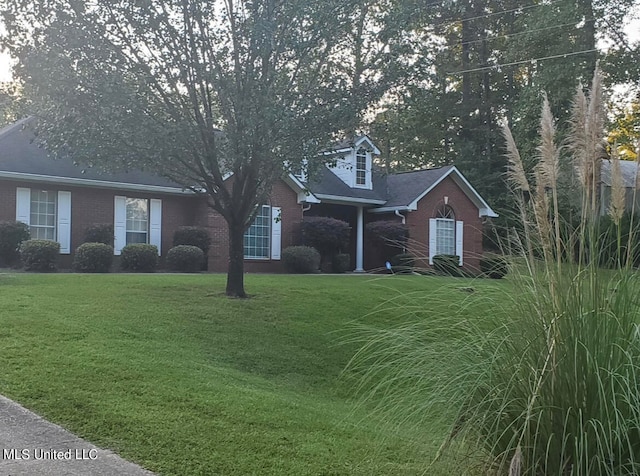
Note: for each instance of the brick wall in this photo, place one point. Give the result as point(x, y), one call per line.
point(291, 213)
point(96, 205)
point(464, 209)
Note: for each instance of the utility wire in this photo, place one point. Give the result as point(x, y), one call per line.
point(495, 66)
point(509, 35)
point(519, 9)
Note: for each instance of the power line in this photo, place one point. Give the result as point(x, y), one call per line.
point(518, 33)
point(495, 66)
point(519, 9)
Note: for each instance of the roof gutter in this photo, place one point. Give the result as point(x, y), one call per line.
point(403, 208)
point(349, 200)
point(95, 183)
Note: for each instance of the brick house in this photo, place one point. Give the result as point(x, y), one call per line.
point(59, 200)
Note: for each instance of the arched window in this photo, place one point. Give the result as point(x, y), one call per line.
point(445, 231)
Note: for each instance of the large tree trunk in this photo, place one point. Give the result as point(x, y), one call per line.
point(235, 272)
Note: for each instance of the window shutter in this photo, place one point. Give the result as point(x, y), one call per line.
point(119, 224)
point(433, 227)
point(276, 232)
point(459, 251)
point(23, 205)
point(64, 222)
point(155, 224)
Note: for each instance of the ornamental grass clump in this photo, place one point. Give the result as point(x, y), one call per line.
point(554, 388)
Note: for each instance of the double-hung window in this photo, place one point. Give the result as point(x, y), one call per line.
point(262, 240)
point(361, 167)
point(48, 214)
point(42, 220)
point(445, 235)
point(257, 238)
point(137, 220)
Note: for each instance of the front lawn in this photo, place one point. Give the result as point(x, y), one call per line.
point(170, 374)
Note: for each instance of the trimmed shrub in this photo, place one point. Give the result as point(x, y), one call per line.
point(301, 259)
point(493, 266)
point(139, 257)
point(12, 233)
point(447, 265)
point(341, 263)
point(402, 263)
point(93, 258)
point(185, 258)
point(387, 232)
point(327, 235)
point(193, 236)
point(39, 255)
point(100, 233)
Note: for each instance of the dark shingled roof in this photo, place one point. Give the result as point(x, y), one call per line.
point(328, 183)
point(405, 187)
point(397, 190)
point(19, 153)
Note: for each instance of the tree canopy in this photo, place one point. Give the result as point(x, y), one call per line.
point(199, 91)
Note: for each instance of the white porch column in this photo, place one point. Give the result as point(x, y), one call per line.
point(359, 242)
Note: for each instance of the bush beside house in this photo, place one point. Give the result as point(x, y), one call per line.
point(194, 236)
point(139, 257)
point(329, 236)
point(12, 234)
point(448, 265)
point(40, 255)
point(99, 233)
point(185, 258)
point(301, 259)
point(93, 258)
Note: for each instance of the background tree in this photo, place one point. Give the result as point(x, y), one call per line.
point(198, 90)
point(625, 133)
point(482, 64)
point(9, 103)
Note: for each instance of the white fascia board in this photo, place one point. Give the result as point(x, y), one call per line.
point(391, 209)
point(304, 194)
point(366, 139)
point(483, 207)
point(336, 152)
point(94, 183)
point(487, 212)
point(348, 200)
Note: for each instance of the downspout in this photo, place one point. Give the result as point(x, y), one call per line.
point(306, 209)
point(404, 222)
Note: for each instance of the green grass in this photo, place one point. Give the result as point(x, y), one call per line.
point(169, 373)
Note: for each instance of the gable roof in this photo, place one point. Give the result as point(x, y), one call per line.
point(21, 158)
point(352, 143)
point(406, 187)
point(326, 185)
point(389, 193)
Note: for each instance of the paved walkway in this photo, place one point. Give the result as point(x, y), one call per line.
point(30, 445)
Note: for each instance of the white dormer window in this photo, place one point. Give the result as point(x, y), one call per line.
point(361, 167)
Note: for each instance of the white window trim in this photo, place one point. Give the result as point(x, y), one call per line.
point(367, 169)
point(154, 234)
point(63, 215)
point(459, 240)
point(275, 237)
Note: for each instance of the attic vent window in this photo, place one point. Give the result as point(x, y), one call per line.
point(361, 167)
